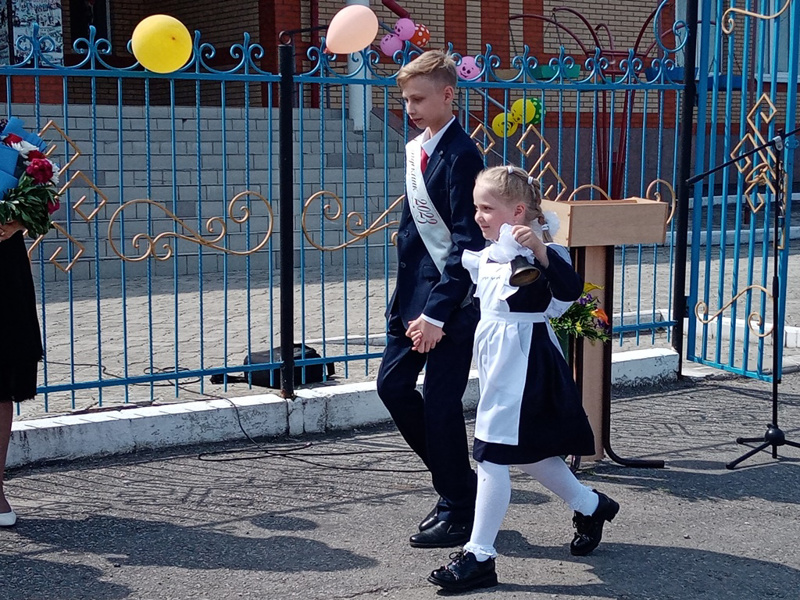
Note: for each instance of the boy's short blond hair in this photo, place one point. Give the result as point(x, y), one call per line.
point(433, 64)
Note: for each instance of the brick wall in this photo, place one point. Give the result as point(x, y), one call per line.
point(473, 23)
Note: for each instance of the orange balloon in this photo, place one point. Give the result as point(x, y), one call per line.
point(352, 29)
point(421, 36)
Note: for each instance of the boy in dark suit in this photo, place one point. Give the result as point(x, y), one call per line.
point(431, 317)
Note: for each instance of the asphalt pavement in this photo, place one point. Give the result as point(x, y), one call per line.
point(328, 517)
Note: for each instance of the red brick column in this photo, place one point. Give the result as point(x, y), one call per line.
point(495, 31)
point(23, 90)
point(533, 29)
point(275, 16)
point(670, 108)
point(494, 27)
point(455, 18)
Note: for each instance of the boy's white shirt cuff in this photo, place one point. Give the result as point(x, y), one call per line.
point(433, 321)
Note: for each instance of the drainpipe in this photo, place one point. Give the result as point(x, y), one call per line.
point(359, 96)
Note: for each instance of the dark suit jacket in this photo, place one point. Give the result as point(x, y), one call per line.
point(449, 178)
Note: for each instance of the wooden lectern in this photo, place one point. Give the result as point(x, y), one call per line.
point(591, 229)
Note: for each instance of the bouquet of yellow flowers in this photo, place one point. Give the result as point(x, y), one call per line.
point(584, 319)
point(28, 179)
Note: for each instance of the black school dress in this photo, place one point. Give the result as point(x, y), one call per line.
point(21, 346)
point(529, 408)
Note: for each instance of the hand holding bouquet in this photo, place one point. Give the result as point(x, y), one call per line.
point(584, 318)
point(28, 179)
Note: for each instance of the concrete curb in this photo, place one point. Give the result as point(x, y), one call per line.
point(314, 410)
point(644, 367)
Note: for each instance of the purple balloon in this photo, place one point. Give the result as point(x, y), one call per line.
point(404, 29)
point(468, 69)
point(391, 44)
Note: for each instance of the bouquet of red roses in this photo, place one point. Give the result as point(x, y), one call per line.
point(28, 179)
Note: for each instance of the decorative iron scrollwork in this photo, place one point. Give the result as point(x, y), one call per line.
point(728, 22)
point(754, 321)
point(216, 226)
point(588, 186)
point(759, 175)
point(656, 195)
point(475, 135)
point(353, 219)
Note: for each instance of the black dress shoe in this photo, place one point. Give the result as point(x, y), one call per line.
point(431, 519)
point(465, 573)
point(589, 529)
point(442, 534)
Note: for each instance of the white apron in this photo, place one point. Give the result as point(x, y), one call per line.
point(502, 347)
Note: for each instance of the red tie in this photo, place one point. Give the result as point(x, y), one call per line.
point(424, 159)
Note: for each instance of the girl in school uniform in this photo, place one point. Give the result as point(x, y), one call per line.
point(530, 412)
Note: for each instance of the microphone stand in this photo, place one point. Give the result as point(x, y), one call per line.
point(774, 436)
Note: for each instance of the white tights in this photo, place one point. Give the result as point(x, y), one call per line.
point(494, 496)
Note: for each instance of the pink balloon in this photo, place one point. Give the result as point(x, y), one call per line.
point(404, 28)
point(468, 69)
point(352, 29)
point(391, 44)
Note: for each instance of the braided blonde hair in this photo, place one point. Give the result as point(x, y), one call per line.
point(513, 185)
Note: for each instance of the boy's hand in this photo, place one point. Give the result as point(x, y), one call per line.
point(525, 236)
point(424, 335)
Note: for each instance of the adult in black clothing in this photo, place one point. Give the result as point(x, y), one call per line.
point(21, 349)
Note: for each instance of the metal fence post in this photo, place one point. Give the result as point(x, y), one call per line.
point(684, 171)
point(286, 175)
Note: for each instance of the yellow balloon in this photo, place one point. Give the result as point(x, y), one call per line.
point(161, 43)
point(523, 111)
point(503, 125)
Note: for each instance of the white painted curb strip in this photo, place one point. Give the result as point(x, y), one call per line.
point(314, 410)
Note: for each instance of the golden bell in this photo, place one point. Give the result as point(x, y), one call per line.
point(522, 272)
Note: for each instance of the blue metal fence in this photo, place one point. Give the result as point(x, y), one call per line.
point(747, 80)
point(163, 269)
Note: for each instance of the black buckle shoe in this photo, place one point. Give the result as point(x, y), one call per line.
point(589, 528)
point(465, 573)
point(442, 534)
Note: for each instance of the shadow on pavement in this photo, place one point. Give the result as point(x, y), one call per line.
point(131, 542)
point(37, 579)
point(713, 482)
point(644, 571)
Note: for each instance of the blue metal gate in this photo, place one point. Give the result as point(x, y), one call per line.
point(747, 83)
point(164, 266)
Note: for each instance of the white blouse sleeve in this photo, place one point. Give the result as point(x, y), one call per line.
point(471, 261)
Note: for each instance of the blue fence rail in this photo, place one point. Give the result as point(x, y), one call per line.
point(164, 268)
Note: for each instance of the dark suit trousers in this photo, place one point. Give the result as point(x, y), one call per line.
point(432, 423)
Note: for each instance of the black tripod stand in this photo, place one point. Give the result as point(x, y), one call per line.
point(774, 436)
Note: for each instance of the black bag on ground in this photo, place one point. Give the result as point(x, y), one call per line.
point(271, 378)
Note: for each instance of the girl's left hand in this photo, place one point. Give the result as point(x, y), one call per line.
point(525, 236)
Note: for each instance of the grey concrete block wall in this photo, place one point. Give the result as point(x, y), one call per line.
point(192, 163)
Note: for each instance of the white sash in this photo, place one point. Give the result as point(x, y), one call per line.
point(432, 229)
